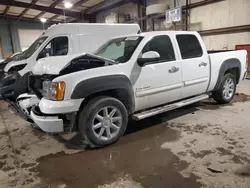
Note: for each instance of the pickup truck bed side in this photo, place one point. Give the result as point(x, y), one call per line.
point(224, 61)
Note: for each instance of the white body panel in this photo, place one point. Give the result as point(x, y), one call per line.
point(48, 124)
point(57, 107)
point(195, 78)
point(26, 101)
point(217, 59)
point(82, 37)
point(52, 65)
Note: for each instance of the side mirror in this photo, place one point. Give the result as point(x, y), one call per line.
point(148, 57)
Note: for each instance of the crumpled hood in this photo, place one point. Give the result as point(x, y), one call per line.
point(53, 65)
point(13, 64)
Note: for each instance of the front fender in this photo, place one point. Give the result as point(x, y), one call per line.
point(119, 83)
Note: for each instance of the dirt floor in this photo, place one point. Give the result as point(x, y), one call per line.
point(202, 145)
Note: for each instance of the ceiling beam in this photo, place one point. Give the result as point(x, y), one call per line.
point(203, 3)
point(44, 8)
point(53, 5)
point(74, 5)
point(79, 3)
point(107, 5)
point(226, 30)
point(6, 10)
point(27, 9)
point(22, 18)
point(53, 17)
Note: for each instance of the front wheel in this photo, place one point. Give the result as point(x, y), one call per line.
point(102, 121)
point(226, 92)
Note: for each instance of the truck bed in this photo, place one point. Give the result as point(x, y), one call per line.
point(217, 58)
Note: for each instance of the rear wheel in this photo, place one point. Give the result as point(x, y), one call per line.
point(102, 121)
point(227, 89)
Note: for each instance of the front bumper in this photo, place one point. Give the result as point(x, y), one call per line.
point(59, 107)
point(18, 111)
point(47, 123)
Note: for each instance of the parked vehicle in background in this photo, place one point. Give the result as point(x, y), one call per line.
point(60, 40)
point(3, 64)
point(136, 75)
point(68, 39)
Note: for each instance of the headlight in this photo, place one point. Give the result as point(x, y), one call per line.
point(53, 90)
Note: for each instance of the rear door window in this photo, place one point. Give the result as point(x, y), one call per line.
point(189, 46)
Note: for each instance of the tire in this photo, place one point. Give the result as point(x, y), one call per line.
point(96, 119)
point(225, 94)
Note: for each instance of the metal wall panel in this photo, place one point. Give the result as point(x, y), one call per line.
point(226, 41)
point(9, 28)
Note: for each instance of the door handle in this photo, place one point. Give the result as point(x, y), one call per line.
point(203, 64)
point(173, 69)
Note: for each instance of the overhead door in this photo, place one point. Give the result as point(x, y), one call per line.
point(28, 36)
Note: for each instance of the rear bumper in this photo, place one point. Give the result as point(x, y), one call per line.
point(47, 123)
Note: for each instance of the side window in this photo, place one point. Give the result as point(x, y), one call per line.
point(162, 45)
point(56, 47)
point(189, 46)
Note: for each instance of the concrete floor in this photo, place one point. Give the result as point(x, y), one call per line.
point(203, 145)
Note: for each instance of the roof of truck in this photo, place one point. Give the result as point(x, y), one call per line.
point(153, 33)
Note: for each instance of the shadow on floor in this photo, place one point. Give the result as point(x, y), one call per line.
point(76, 142)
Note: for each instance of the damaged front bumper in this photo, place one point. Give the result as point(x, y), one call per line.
point(47, 123)
point(55, 116)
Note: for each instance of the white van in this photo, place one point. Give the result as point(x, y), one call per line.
point(57, 41)
point(68, 39)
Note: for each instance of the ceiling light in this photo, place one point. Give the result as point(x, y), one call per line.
point(43, 20)
point(68, 5)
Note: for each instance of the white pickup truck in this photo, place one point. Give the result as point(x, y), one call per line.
point(131, 76)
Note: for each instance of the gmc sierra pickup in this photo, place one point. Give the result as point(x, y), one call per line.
point(134, 76)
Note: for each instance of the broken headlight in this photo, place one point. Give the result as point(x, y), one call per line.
point(53, 90)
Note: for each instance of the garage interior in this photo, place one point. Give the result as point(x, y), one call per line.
point(202, 145)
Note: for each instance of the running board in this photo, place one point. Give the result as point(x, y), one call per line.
point(169, 107)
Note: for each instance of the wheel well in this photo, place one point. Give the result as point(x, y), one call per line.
point(236, 72)
point(120, 94)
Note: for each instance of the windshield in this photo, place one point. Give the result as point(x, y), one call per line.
point(120, 49)
point(27, 53)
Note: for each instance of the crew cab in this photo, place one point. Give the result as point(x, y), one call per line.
point(134, 76)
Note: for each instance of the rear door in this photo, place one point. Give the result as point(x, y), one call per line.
point(195, 64)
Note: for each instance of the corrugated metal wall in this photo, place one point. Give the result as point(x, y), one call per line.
point(9, 28)
point(5, 36)
point(228, 13)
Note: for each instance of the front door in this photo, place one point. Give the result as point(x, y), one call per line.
point(195, 64)
point(158, 82)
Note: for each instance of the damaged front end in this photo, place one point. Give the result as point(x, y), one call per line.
point(53, 113)
point(13, 89)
